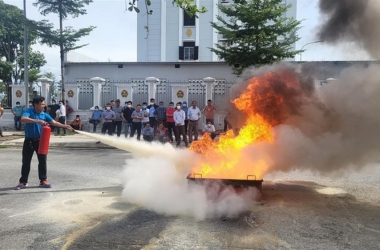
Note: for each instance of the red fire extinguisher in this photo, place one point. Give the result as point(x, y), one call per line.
point(43, 147)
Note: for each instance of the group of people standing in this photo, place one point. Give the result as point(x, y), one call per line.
point(155, 122)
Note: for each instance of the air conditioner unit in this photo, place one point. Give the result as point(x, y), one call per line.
point(225, 1)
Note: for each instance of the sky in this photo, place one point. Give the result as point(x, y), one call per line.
point(115, 38)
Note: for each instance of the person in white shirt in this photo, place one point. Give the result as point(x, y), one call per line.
point(210, 129)
point(179, 117)
point(193, 114)
point(61, 117)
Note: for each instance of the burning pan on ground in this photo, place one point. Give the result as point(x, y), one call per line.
point(237, 184)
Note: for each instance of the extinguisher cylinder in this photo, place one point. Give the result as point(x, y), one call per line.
point(43, 146)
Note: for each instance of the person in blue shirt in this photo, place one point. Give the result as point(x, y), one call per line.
point(152, 119)
point(108, 116)
point(17, 112)
point(95, 117)
point(34, 118)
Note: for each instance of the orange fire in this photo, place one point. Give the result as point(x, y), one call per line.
point(224, 159)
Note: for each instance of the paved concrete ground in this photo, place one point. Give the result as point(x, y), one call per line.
point(12, 139)
point(83, 210)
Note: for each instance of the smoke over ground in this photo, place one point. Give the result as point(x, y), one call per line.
point(328, 129)
point(156, 179)
point(352, 21)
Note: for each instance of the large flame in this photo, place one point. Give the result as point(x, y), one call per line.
point(224, 159)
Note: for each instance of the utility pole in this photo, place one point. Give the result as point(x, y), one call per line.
point(321, 41)
point(26, 66)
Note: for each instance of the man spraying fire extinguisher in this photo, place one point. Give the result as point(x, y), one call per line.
point(35, 119)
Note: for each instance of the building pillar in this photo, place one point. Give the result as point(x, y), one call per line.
point(45, 88)
point(18, 95)
point(72, 95)
point(152, 86)
point(97, 83)
point(124, 92)
point(210, 83)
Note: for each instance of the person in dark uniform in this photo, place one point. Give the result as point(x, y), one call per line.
point(34, 118)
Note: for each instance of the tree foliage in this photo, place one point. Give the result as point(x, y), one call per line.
point(66, 38)
point(187, 5)
point(12, 44)
point(256, 32)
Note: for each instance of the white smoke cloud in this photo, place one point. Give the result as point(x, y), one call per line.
point(156, 180)
point(157, 184)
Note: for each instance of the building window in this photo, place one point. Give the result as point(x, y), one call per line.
point(188, 51)
point(187, 20)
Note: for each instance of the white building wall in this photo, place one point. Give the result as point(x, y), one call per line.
point(206, 32)
point(111, 71)
point(172, 32)
point(166, 39)
point(149, 44)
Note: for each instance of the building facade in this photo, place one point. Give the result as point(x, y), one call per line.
point(170, 35)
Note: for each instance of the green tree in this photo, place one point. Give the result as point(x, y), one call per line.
point(187, 5)
point(12, 41)
point(35, 61)
point(66, 38)
point(12, 46)
point(256, 32)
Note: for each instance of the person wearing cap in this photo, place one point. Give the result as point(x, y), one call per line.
point(34, 118)
point(17, 113)
point(118, 109)
point(152, 120)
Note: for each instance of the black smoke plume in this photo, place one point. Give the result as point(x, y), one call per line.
point(351, 21)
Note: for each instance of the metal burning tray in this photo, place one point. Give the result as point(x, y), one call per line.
point(235, 183)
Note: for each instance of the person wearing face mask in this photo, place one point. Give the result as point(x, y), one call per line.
point(179, 117)
point(34, 119)
point(61, 117)
point(146, 114)
point(185, 109)
point(53, 111)
point(194, 114)
point(127, 118)
point(95, 118)
point(160, 114)
point(77, 123)
point(30, 104)
point(210, 129)
point(170, 124)
point(152, 120)
point(17, 113)
point(108, 116)
point(117, 108)
point(137, 117)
